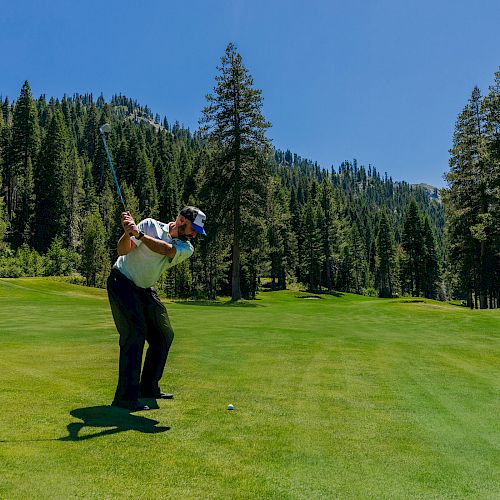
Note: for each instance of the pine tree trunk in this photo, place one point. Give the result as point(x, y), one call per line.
point(311, 274)
point(235, 273)
point(212, 282)
point(418, 283)
point(328, 274)
point(282, 280)
point(236, 258)
point(483, 301)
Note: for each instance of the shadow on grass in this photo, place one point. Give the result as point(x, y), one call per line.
point(211, 303)
point(109, 416)
point(317, 295)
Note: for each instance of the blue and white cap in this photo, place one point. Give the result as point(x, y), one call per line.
point(197, 218)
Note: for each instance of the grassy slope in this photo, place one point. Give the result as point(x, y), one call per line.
point(344, 396)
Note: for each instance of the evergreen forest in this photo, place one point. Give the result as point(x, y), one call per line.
point(274, 219)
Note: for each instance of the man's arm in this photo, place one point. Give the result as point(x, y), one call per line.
point(126, 245)
point(157, 246)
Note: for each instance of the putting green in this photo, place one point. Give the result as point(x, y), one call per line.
point(342, 397)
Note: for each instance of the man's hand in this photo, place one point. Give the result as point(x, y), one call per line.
point(128, 224)
point(125, 244)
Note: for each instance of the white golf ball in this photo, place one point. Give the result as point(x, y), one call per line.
point(230, 407)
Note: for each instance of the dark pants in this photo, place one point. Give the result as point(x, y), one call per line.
point(139, 316)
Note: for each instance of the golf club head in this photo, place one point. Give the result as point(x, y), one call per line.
point(105, 128)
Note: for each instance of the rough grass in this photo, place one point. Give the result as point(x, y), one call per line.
point(343, 397)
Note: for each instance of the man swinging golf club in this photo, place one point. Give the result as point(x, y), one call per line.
point(145, 251)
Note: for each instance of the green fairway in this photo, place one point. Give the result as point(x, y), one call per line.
point(343, 397)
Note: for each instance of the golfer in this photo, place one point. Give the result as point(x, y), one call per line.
point(145, 251)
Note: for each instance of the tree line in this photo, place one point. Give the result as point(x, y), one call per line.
point(273, 218)
point(472, 200)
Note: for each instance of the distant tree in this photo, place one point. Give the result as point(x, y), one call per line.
point(372, 264)
point(430, 262)
point(52, 185)
point(277, 218)
point(358, 259)
point(413, 246)
point(75, 197)
point(313, 257)
point(24, 146)
point(1, 128)
point(328, 228)
point(60, 259)
point(89, 201)
point(171, 187)
point(186, 173)
point(345, 274)
point(296, 251)
point(6, 110)
point(109, 207)
point(90, 134)
point(146, 187)
point(95, 263)
point(163, 158)
point(6, 164)
point(4, 223)
point(385, 258)
point(121, 158)
point(30, 261)
point(183, 280)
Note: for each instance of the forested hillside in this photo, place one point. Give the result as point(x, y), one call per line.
point(61, 210)
point(273, 218)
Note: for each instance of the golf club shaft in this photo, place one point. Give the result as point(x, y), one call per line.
point(113, 172)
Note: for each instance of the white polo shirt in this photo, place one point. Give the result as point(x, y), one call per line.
point(143, 266)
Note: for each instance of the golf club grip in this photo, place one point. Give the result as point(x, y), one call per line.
point(126, 210)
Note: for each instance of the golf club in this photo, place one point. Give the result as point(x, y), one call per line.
point(105, 129)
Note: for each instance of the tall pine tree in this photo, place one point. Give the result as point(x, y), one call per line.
point(234, 123)
point(24, 147)
point(466, 203)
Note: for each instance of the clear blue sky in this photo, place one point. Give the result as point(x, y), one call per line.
point(381, 81)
